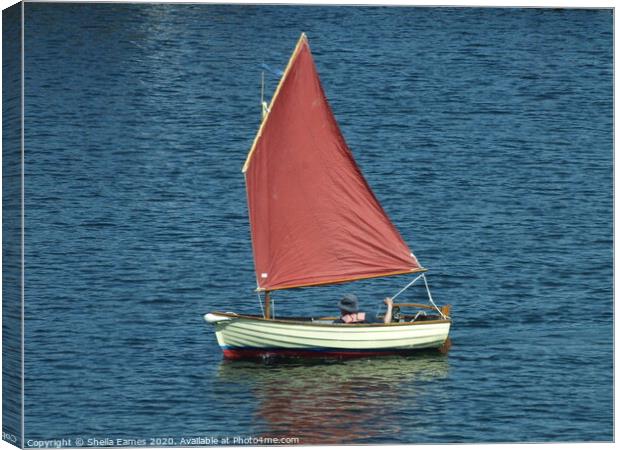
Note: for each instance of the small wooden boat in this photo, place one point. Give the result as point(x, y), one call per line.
point(315, 221)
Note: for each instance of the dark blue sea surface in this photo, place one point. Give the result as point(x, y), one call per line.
point(485, 133)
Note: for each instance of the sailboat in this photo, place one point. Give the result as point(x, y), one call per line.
point(315, 221)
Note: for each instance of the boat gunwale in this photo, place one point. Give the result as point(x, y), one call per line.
point(337, 325)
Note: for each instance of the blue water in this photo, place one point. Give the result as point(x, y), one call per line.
point(485, 133)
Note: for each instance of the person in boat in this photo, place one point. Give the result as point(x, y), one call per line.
point(350, 313)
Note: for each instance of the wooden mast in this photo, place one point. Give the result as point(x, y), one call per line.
point(267, 305)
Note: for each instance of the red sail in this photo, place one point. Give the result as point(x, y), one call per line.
point(314, 219)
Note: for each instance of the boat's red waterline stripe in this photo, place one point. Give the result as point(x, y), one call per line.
point(253, 353)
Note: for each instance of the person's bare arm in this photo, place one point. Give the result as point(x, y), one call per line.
point(388, 314)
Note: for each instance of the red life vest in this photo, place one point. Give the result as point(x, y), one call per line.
point(354, 317)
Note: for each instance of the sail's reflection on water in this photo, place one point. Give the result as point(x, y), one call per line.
point(323, 402)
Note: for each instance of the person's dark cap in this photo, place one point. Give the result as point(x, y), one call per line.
point(348, 303)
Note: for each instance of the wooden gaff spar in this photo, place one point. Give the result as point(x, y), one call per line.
point(315, 221)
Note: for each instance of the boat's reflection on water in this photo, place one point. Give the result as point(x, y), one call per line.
point(329, 402)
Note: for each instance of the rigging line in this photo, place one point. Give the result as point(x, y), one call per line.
point(408, 286)
point(403, 290)
point(262, 90)
point(430, 297)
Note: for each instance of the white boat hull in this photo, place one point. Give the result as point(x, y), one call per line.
point(248, 336)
